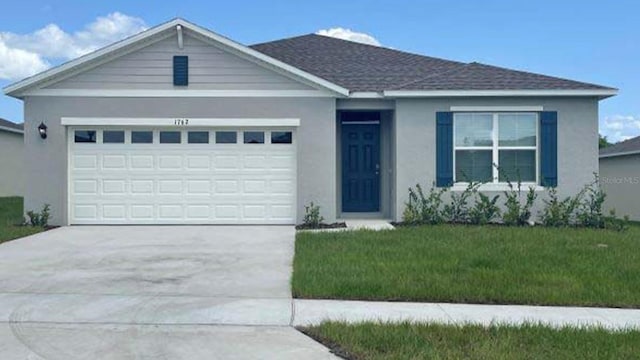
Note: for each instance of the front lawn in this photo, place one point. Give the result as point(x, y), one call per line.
point(472, 264)
point(434, 341)
point(11, 210)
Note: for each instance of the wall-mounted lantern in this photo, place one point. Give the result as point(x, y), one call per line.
point(42, 130)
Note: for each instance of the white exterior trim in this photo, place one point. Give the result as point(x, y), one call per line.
point(487, 93)
point(366, 95)
point(180, 122)
point(12, 130)
point(86, 60)
point(177, 93)
point(634, 152)
point(461, 186)
point(496, 108)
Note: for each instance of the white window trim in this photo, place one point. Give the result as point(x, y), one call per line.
point(496, 185)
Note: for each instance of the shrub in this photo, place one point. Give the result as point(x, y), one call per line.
point(485, 210)
point(591, 213)
point(312, 217)
point(458, 210)
point(517, 213)
point(40, 219)
point(559, 213)
point(615, 223)
point(421, 209)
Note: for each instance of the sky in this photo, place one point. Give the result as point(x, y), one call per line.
point(591, 41)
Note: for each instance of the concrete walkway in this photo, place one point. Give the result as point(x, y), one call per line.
point(312, 312)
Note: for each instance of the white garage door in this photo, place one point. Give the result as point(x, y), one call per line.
point(169, 176)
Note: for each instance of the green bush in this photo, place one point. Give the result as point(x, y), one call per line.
point(516, 212)
point(421, 209)
point(590, 213)
point(312, 217)
point(457, 211)
point(485, 210)
point(560, 213)
point(40, 219)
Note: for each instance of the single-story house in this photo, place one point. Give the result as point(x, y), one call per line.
point(620, 177)
point(180, 125)
point(11, 159)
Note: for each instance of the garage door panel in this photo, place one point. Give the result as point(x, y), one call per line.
point(114, 186)
point(142, 211)
point(141, 162)
point(85, 162)
point(141, 186)
point(114, 162)
point(170, 162)
point(182, 183)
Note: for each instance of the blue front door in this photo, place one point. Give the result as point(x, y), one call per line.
point(360, 167)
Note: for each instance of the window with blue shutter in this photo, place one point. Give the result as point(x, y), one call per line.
point(549, 148)
point(444, 149)
point(180, 70)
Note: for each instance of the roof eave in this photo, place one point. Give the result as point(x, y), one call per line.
point(616, 154)
point(599, 93)
point(8, 129)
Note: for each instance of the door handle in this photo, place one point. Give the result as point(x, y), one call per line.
point(377, 169)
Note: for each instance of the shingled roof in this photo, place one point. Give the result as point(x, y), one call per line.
point(627, 147)
point(11, 125)
point(361, 67)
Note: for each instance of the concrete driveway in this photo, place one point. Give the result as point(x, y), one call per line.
point(137, 292)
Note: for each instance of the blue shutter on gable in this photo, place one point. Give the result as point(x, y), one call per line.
point(549, 148)
point(444, 149)
point(180, 70)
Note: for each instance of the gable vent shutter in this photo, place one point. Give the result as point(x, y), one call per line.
point(444, 149)
point(549, 148)
point(180, 70)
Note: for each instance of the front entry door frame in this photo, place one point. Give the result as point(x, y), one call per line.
point(360, 145)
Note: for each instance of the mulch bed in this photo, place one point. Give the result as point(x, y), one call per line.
point(336, 225)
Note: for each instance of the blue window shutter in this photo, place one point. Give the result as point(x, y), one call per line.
point(444, 149)
point(549, 148)
point(180, 70)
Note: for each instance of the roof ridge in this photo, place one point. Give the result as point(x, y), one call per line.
point(350, 42)
point(278, 40)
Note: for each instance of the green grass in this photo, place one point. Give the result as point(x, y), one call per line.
point(432, 341)
point(11, 210)
point(472, 264)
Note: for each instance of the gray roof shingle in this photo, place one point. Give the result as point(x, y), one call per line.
point(628, 146)
point(361, 67)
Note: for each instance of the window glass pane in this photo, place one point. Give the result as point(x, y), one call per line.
point(474, 165)
point(517, 129)
point(113, 137)
point(170, 137)
point(473, 129)
point(226, 137)
point(281, 137)
point(198, 137)
point(254, 137)
point(517, 165)
point(141, 137)
point(85, 136)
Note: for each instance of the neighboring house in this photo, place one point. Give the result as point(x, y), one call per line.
point(620, 177)
point(11, 159)
point(180, 125)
